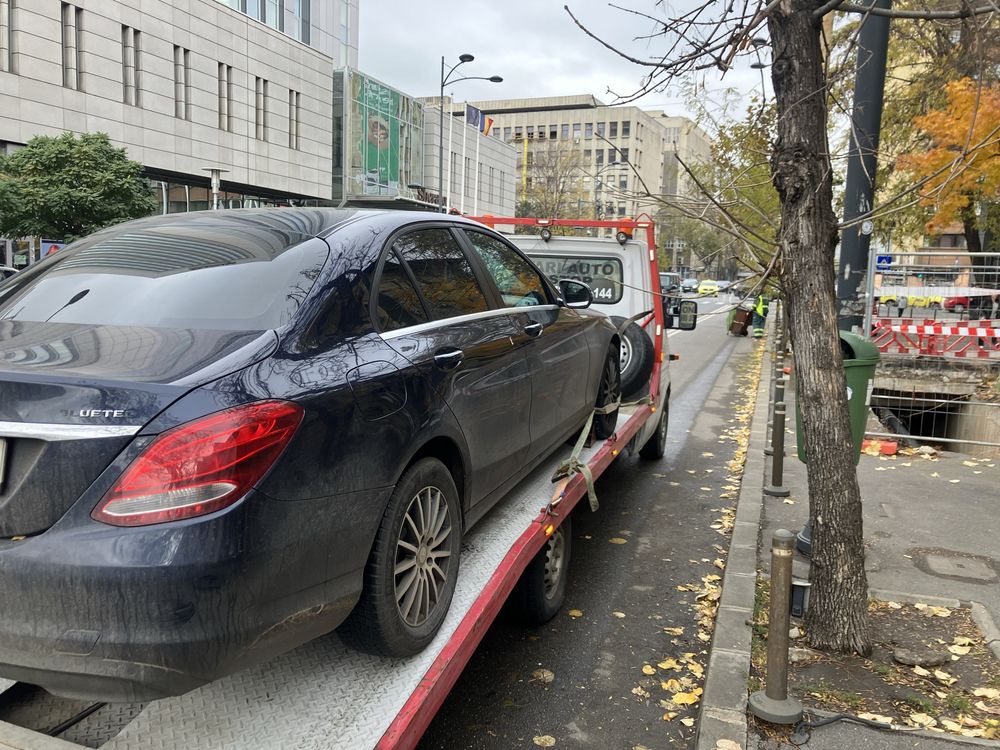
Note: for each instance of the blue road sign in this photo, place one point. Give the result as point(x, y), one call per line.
point(883, 262)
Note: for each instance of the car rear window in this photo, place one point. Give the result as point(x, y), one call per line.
point(170, 277)
point(603, 275)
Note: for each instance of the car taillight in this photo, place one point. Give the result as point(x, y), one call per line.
point(201, 466)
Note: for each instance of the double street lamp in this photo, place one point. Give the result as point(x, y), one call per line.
point(445, 80)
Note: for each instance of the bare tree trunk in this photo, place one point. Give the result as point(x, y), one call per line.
point(800, 166)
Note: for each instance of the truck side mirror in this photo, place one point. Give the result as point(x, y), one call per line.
point(683, 315)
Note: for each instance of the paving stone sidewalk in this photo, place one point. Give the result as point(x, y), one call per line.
point(931, 531)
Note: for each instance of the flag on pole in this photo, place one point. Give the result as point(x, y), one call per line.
point(485, 123)
point(472, 115)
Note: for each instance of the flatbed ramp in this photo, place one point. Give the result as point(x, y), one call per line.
point(327, 695)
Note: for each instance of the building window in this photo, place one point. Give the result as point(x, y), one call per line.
point(564, 130)
point(300, 12)
point(226, 97)
point(623, 154)
point(260, 108)
point(517, 132)
point(530, 131)
point(273, 16)
point(182, 83)
point(600, 156)
point(586, 155)
point(7, 36)
point(72, 46)
point(588, 131)
point(506, 134)
point(600, 129)
point(612, 130)
point(623, 182)
point(345, 22)
point(576, 131)
point(131, 66)
point(626, 125)
point(553, 131)
point(293, 119)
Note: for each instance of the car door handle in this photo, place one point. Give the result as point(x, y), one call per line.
point(449, 359)
point(533, 329)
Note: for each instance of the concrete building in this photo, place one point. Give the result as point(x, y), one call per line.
point(186, 86)
point(479, 170)
point(620, 152)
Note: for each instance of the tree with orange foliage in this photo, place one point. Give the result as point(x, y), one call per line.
point(962, 166)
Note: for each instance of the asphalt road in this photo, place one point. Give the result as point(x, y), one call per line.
point(627, 592)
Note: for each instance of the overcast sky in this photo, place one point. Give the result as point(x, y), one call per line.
point(533, 44)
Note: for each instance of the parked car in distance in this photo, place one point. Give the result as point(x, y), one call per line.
point(689, 285)
point(6, 272)
point(280, 421)
point(707, 287)
point(670, 283)
point(956, 304)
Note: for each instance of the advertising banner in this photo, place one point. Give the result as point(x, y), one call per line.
point(376, 126)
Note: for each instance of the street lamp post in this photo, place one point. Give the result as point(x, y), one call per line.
point(445, 80)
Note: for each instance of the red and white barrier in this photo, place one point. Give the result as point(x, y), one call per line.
point(967, 339)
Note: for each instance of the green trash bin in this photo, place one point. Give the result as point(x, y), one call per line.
point(860, 360)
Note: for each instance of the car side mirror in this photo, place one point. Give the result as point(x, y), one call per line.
point(682, 316)
point(575, 294)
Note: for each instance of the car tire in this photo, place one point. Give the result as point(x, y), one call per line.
point(958, 308)
point(656, 446)
point(609, 390)
point(388, 619)
point(542, 587)
point(636, 362)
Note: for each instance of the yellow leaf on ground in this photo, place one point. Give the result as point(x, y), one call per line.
point(935, 474)
point(684, 699)
point(648, 669)
point(619, 615)
point(575, 613)
point(960, 640)
point(920, 671)
point(894, 605)
point(951, 726)
point(696, 669)
point(705, 637)
point(707, 454)
point(719, 563)
point(669, 715)
point(670, 664)
point(922, 720)
point(875, 717)
point(618, 540)
point(788, 501)
point(960, 650)
point(640, 692)
point(671, 686)
point(674, 631)
point(954, 481)
point(969, 463)
point(988, 693)
point(543, 675)
point(705, 489)
point(941, 676)
point(544, 740)
point(688, 721)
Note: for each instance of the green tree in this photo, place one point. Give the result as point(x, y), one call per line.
point(66, 187)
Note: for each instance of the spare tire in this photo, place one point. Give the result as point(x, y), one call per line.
point(636, 356)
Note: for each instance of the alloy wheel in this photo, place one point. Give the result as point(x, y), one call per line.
point(422, 556)
point(555, 562)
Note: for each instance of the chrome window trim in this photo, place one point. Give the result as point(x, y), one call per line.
point(59, 432)
point(458, 319)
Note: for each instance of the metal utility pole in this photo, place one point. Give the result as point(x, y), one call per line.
point(866, 118)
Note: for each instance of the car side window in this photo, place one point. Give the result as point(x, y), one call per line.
point(443, 273)
point(397, 304)
point(519, 284)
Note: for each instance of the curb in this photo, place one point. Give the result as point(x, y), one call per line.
point(724, 701)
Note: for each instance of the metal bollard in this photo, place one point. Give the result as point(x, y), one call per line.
point(773, 704)
point(776, 488)
point(779, 397)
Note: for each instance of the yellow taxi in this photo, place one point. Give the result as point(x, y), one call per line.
point(707, 287)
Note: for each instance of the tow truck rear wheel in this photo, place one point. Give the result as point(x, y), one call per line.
point(656, 446)
point(609, 391)
point(413, 567)
point(543, 583)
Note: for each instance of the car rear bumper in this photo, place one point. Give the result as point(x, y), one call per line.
point(103, 613)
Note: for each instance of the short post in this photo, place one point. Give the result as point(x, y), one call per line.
point(777, 488)
point(773, 704)
point(779, 397)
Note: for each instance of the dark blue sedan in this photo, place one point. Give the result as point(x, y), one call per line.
point(223, 434)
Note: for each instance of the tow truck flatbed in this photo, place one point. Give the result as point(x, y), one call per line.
point(325, 694)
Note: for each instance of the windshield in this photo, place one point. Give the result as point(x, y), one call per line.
point(169, 276)
point(603, 275)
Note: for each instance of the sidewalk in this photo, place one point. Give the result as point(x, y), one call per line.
point(931, 534)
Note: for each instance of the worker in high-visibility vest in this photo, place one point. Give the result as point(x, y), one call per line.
point(759, 315)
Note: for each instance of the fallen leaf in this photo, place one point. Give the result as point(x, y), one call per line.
point(941, 695)
point(875, 717)
point(922, 720)
point(705, 489)
point(788, 501)
point(951, 726)
point(920, 671)
point(648, 669)
point(544, 740)
point(988, 693)
point(894, 605)
point(718, 562)
point(954, 481)
point(704, 637)
point(707, 454)
point(575, 613)
point(669, 715)
point(960, 650)
point(933, 474)
point(969, 463)
point(618, 540)
point(941, 676)
point(981, 705)
point(960, 640)
point(674, 631)
point(619, 615)
point(671, 686)
point(684, 699)
point(640, 692)
point(670, 664)
point(688, 721)
point(728, 745)
point(545, 676)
